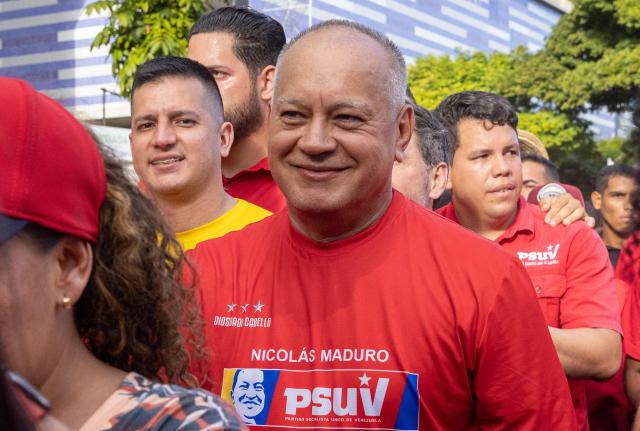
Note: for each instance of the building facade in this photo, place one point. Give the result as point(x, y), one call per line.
point(47, 42)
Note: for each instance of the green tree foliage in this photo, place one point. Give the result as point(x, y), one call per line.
point(139, 30)
point(566, 136)
point(591, 60)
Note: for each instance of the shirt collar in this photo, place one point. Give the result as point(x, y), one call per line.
point(523, 223)
point(262, 165)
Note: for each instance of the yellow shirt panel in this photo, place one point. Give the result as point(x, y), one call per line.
point(242, 214)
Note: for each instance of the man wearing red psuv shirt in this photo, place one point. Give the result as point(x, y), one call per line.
point(358, 309)
point(568, 265)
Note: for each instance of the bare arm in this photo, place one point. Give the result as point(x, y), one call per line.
point(636, 422)
point(588, 353)
point(632, 382)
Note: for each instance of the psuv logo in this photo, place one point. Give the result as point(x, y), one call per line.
point(330, 399)
point(537, 258)
point(324, 401)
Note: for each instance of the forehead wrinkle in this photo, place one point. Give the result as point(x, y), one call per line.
point(379, 72)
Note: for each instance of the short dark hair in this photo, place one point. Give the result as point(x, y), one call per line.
point(258, 38)
point(433, 137)
point(163, 67)
point(606, 173)
point(479, 105)
point(550, 170)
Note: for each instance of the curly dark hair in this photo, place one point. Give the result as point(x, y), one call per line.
point(134, 313)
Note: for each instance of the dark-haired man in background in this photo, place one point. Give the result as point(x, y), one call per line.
point(422, 174)
point(567, 264)
point(240, 47)
point(615, 186)
point(537, 171)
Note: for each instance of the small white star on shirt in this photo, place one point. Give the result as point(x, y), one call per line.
point(364, 380)
point(258, 307)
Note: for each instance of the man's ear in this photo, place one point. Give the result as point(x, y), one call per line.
point(596, 200)
point(74, 261)
point(226, 138)
point(265, 82)
point(405, 125)
point(439, 179)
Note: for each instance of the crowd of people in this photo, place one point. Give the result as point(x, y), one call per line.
point(308, 248)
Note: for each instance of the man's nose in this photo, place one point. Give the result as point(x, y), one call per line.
point(164, 135)
point(316, 138)
point(501, 166)
point(251, 392)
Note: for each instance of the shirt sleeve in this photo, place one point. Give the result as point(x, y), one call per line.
point(590, 300)
point(191, 410)
point(519, 382)
point(628, 268)
point(631, 322)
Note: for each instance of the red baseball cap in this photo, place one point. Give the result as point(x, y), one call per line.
point(51, 171)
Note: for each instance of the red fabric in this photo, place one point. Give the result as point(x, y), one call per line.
point(257, 186)
point(447, 307)
point(51, 172)
point(628, 268)
point(571, 273)
point(631, 322)
point(608, 407)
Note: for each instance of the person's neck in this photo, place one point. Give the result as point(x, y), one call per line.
point(183, 213)
point(79, 384)
point(488, 228)
point(611, 238)
point(246, 152)
point(329, 227)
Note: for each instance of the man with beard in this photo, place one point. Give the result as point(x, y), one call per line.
point(369, 310)
point(240, 47)
point(567, 264)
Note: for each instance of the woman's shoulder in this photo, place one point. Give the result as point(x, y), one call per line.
point(143, 404)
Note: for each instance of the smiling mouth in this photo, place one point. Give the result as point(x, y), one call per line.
point(167, 161)
point(504, 189)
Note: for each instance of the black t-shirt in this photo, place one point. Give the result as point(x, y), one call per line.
point(614, 254)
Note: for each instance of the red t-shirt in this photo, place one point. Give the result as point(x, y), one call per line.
point(257, 186)
point(608, 406)
point(411, 323)
point(571, 274)
point(627, 269)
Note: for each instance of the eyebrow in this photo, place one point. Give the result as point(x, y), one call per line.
point(172, 114)
point(180, 113)
point(214, 67)
point(339, 105)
